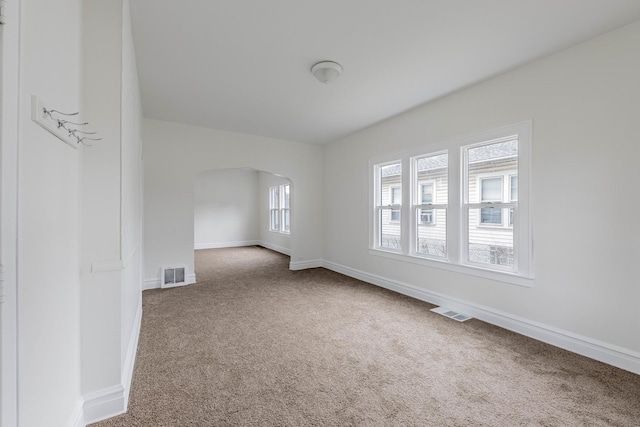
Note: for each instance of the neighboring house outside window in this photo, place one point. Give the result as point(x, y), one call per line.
point(491, 192)
point(498, 189)
point(491, 225)
point(427, 197)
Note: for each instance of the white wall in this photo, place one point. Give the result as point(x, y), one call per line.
point(9, 113)
point(132, 194)
point(49, 236)
point(111, 209)
point(225, 208)
point(175, 154)
point(101, 251)
point(585, 104)
point(271, 239)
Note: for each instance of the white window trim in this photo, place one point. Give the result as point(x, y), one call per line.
point(457, 231)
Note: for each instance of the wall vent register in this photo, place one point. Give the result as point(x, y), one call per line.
point(451, 314)
point(173, 276)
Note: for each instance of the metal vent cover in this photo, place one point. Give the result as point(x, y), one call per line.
point(173, 276)
point(451, 314)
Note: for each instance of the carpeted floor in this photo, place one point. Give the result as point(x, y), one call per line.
point(254, 344)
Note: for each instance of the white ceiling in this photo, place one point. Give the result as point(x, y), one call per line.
point(243, 65)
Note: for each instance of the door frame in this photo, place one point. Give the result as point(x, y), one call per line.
point(9, 137)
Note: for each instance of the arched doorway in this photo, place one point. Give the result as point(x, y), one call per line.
point(234, 207)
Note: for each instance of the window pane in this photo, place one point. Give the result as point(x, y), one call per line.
point(390, 185)
point(274, 201)
point(274, 219)
point(490, 246)
point(286, 220)
point(432, 239)
point(389, 230)
point(496, 159)
point(514, 189)
point(432, 175)
point(285, 196)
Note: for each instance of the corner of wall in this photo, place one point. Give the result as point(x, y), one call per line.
point(112, 401)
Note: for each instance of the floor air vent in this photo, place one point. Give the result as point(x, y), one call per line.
point(451, 314)
point(173, 276)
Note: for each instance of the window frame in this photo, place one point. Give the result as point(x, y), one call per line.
point(274, 208)
point(279, 199)
point(376, 236)
point(456, 229)
point(285, 208)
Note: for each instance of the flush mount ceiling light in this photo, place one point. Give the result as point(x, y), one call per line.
point(326, 71)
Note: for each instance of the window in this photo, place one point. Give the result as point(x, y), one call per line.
point(388, 215)
point(274, 209)
point(479, 225)
point(490, 168)
point(286, 208)
point(430, 204)
point(280, 208)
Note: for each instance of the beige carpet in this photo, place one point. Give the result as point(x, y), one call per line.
point(254, 344)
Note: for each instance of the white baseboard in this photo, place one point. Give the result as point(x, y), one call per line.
point(226, 244)
point(604, 352)
point(276, 248)
point(132, 350)
point(77, 417)
point(303, 265)
point(112, 401)
point(102, 404)
point(155, 283)
point(151, 284)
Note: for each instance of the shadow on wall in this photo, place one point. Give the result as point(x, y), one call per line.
point(242, 207)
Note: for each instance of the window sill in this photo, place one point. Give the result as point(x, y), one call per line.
point(469, 270)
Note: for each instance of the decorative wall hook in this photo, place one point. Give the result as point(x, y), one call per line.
point(64, 129)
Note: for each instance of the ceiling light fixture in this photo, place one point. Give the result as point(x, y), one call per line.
point(326, 71)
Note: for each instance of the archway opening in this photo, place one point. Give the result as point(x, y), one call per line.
point(235, 207)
